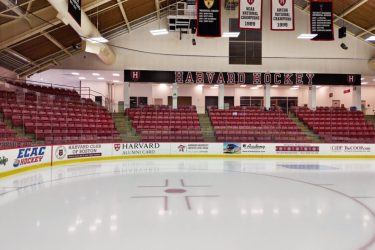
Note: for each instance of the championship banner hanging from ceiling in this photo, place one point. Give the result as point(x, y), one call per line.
point(282, 15)
point(209, 18)
point(321, 14)
point(250, 14)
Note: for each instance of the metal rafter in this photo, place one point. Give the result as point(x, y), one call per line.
point(157, 5)
point(119, 2)
point(16, 9)
point(54, 41)
point(352, 8)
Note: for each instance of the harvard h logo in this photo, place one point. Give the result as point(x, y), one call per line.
point(250, 1)
point(282, 2)
point(135, 75)
point(351, 79)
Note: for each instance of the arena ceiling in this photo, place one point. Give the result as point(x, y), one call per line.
point(37, 40)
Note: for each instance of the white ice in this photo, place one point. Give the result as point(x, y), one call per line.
point(191, 204)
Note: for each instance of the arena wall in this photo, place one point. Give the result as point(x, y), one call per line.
point(14, 161)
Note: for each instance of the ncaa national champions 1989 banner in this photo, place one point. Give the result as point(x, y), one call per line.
point(250, 14)
point(282, 15)
point(209, 18)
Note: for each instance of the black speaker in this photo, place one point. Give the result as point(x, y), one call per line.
point(342, 32)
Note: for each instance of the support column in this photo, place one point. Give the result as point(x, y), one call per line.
point(357, 97)
point(126, 95)
point(221, 96)
point(267, 96)
point(174, 95)
point(312, 98)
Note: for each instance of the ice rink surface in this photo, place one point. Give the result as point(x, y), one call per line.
point(191, 204)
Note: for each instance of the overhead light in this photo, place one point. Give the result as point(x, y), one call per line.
point(362, 78)
point(371, 39)
point(159, 32)
point(230, 34)
point(275, 86)
point(243, 86)
point(116, 74)
point(100, 78)
point(82, 78)
point(98, 39)
point(254, 88)
point(75, 73)
point(214, 87)
point(318, 86)
point(307, 36)
point(95, 74)
point(116, 81)
point(364, 83)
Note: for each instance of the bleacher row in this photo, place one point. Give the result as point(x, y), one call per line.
point(161, 123)
point(67, 119)
point(337, 124)
point(46, 89)
point(254, 125)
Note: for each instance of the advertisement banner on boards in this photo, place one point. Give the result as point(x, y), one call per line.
point(209, 18)
point(196, 148)
point(250, 14)
point(321, 15)
point(141, 148)
point(13, 159)
point(282, 15)
point(81, 151)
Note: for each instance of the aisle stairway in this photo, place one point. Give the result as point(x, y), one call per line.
point(370, 118)
point(310, 134)
point(20, 130)
point(124, 127)
point(207, 129)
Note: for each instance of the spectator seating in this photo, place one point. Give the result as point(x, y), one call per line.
point(57, 120)
point(63, 92)
point(337, 124)
point(249, 124)
point(163, 124)
point(8, 138)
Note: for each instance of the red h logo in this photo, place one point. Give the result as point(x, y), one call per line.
point(250, 1)
point(282, 2)
point(135, 75)
point(351, 79)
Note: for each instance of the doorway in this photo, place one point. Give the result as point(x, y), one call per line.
point(181, 101)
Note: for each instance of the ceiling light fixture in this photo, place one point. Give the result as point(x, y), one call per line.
point(95, 74)
point(159, 32)
point(230, 34)
point(75, 73)
point(100, 78)
point(364, 83)
point(82, 78)
point(243, 86)
point(307, 36)
point(116, 74)
point(371, 39)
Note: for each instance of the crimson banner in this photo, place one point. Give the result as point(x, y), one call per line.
point(282, 15)
point(321, 14)
point(209, 18)
point(250, 14)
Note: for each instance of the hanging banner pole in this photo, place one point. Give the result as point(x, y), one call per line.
point(208, 18)
point(282, 15)
point(321, 15)
point(250, 14)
